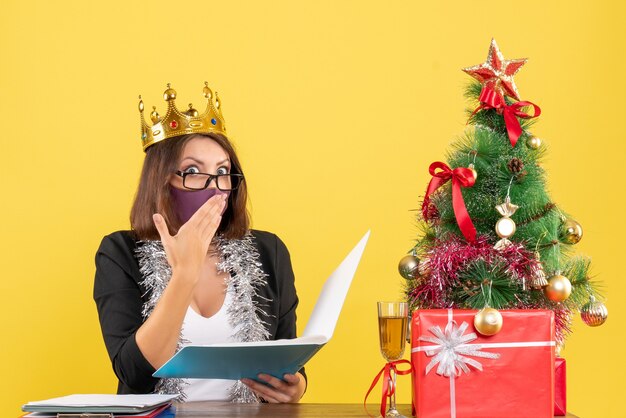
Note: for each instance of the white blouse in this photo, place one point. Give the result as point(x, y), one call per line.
point(199, 330)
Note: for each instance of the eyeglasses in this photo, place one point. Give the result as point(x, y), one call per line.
point(200, 181)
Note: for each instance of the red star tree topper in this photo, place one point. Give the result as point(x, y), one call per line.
point(497, 73)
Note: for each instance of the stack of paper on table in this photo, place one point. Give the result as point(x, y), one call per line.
point(239, 360)
point(138, 405)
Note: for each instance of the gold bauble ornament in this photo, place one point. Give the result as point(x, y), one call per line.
point(488, 321)
point(570, 232)
point(594, 313)
point(559, 288)
point(533, 142)
point(408, 267)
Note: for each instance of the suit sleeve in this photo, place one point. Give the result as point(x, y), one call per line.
point(119, 304)
point(288, 296)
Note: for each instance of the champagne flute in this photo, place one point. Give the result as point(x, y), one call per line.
point(392, 327)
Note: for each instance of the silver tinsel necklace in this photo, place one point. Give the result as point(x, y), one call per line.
point(240, 258)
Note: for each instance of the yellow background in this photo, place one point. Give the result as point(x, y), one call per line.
point(337, 109)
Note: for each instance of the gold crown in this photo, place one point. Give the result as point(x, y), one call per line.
point(176, 123)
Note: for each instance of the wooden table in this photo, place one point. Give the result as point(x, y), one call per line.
point(298, 410)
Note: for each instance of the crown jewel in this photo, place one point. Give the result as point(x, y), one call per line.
point(176, 123)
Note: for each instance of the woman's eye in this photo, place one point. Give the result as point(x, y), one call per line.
point(222, 170)
point(192, 169)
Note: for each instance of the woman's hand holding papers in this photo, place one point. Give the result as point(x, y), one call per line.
point(289, 390)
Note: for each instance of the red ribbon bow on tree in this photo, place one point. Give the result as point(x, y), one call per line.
point(491, 99)
point(461, 177)
point(388, 390)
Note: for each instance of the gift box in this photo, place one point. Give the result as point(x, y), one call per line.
point(560, 394)
point(458, 372)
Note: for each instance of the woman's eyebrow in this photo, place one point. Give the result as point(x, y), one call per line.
point(226, 160)
point(194, 159)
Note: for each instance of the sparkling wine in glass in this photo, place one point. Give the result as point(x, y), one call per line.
point(392, 329)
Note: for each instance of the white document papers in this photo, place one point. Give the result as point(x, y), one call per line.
point(330, 301)
point(99, 403)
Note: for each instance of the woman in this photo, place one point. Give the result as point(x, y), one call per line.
point(190, 270)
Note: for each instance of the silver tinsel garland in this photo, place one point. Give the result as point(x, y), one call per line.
point(240, 259)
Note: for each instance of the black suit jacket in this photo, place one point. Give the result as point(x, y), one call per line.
point(119, 297)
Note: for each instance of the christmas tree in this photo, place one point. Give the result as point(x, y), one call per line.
point(492, 238)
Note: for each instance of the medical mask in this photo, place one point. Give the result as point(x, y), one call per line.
point(186, 202)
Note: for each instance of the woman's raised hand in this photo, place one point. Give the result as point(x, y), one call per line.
point(186, 251)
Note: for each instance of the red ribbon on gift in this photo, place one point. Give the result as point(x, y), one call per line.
point(491, 99)
point(388, 390)
point(461, 177)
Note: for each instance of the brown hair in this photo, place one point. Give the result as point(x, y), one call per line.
point(153, 192)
